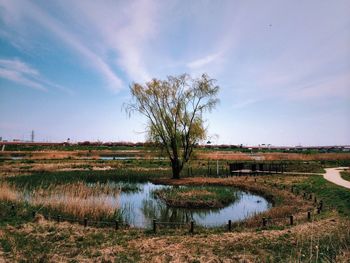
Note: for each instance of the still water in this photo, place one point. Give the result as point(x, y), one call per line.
point(140, 207)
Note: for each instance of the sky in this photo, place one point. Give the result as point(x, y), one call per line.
point(283, 67)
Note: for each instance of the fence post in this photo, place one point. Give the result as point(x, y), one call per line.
point(208, 168)
point(154, 226)
point(291, 220)
point(33, 214)
point(264, 221)
point(116, 225)
point(229, 225)
point(308, 215)
point(321, 205)
point(192, 227)
point(85, 222)
point(58, 218)
point(13, 211)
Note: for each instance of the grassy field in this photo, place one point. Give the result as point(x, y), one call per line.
point(332, 195)
point(28, 238)
point(345, 175)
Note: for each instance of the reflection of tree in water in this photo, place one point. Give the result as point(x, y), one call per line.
point(152, 208)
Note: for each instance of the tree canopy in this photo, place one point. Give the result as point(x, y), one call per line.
point(174, 109)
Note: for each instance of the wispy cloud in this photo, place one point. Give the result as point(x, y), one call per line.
point(28, 11)
point(125, 36)
point(21, 73)
point(200, 63)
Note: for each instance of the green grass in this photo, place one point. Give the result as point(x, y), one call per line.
point(332, 195)
point(345, 175)
point(197, 196)
point(305, 167)
point(45, 179)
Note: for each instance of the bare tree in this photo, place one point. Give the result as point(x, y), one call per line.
point(174, 109)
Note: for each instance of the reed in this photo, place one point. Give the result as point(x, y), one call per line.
point(79, 189)
point(79, 199)
point(93, 207)
point(9, 194)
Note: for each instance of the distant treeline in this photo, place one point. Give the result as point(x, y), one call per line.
point(98, 145)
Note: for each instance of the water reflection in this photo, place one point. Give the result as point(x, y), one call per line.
point(140, 208)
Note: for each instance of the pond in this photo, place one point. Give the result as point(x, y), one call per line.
point(109, 158)
point(140, 207)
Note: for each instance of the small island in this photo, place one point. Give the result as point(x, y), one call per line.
point(197, 196)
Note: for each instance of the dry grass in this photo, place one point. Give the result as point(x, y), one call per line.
point(79, 189)
point(79, 200)
point(237, 156)
point(7, 193)
point(64, 242)
point(247, 246)
point(14, 168)
point(93, 207)
point(197, 193)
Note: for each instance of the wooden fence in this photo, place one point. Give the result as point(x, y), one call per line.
point(155, 224)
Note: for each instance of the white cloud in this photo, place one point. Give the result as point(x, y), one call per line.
point(123, 30)
point(20, 72)
point(202, 62)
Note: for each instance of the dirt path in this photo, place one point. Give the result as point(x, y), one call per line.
point(333, 175)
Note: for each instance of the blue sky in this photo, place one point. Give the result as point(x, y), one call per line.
point(283, 67)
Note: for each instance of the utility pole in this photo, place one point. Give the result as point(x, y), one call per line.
point(32, 136)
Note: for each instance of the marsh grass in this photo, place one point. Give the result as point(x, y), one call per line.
point(9, 194)
point(77, 200)
point(92, 207)
point(46, 179)
point(92, 194)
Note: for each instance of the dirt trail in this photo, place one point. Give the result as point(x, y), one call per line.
point(333, 175)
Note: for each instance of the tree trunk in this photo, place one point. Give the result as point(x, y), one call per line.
point(176, 166)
